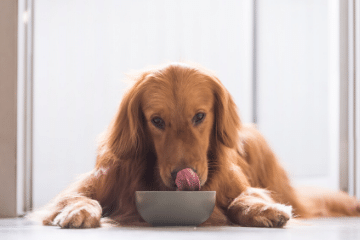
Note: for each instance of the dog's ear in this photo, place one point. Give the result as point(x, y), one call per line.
point(125, 136)
point(227, 121)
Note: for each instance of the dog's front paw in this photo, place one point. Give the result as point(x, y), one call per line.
point(255, 208)
point(79, 214)
point(273, 215)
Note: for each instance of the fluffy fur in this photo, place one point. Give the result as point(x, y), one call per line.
point(229, 157)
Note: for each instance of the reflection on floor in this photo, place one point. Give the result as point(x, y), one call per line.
point(331, 228)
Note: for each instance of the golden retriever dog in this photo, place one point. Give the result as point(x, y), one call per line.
point(180, 116)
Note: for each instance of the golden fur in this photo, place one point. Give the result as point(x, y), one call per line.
point(230, 158)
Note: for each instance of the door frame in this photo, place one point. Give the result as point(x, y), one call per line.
point(353, 43)
point(25, 106)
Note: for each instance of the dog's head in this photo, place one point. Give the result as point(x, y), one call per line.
point(179, 112)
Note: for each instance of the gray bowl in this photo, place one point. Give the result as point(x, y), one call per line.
point(175, 208)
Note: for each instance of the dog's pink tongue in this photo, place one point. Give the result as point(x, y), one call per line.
point(187, 180)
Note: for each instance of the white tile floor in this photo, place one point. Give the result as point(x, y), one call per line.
point(332, 228)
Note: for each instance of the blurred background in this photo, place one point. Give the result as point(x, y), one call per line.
point(289, 65)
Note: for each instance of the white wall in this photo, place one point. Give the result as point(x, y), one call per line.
point(82, 48)
point(298, 86)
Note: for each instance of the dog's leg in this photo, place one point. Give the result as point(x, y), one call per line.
point(81, 212)
point(265, 171)
point(255, 208)
point(74, 207)
point(328, 203)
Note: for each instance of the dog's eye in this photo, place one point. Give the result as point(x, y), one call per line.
point(158, 122)
point(198, 118)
